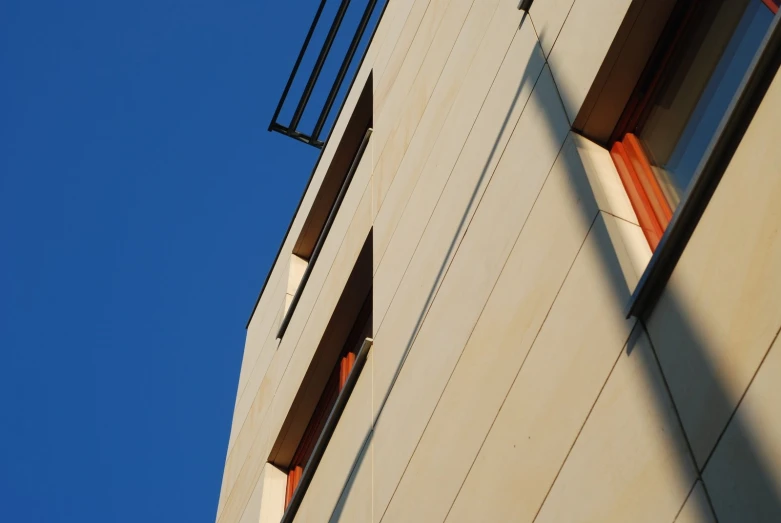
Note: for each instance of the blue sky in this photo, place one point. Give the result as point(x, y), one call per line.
point(142, 201)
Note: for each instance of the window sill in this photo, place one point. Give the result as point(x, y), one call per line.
point(628, 242)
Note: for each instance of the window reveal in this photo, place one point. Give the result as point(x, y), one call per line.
point(336, 382)
point(680, 100)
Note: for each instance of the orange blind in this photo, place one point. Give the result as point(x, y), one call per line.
point(345, 367)
point(641, 186)
point(316, 423)
point(293, 477)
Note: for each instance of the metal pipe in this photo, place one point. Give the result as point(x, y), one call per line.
point(328, 430)
point(348, 58)
point(297, 64)
point(716, 160)
point(324, 234)
point(310, 84)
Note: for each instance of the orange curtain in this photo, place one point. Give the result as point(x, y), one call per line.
point(652, 209)
point(345, 367)
point(293, 477)
point(316, 424)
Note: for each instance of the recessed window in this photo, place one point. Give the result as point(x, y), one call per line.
point(680, 99)
point(328, 384)
point(336, 383)
point(329, 197)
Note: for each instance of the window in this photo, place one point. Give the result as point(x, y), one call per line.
point(336, 181)
point(680, 99)
point(329, 197)
point(671, 101)
point(328, 383)
point(336, 383)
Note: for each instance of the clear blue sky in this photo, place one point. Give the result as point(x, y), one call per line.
point(142, 201)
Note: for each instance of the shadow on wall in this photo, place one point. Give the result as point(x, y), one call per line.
point(765, 504)
point(463, 224)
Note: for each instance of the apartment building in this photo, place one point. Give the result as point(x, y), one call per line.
point(535, 276)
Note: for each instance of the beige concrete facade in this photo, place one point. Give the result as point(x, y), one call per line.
point(505, 382)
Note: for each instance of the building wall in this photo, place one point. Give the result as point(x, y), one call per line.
point(505, 383)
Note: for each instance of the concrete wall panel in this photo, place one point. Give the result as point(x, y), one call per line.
point(393, 28)
point(390, 95)
point(356, 501)
point(697, 507)
point(508, 322)
point(323, 289)
point(343, 453)
point(392, 58)
point(720, 310)
point(630, 462)
point(569, 361)
point(266, 504)
point(548, 17)
point(476, 157)
point(258, 351)
point(447, 120)
point(432, 90)
point(744, 475)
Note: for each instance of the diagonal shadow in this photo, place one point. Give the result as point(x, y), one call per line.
point(441, 272)
point(766, 504)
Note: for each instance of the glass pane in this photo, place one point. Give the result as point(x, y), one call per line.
point(701, 79)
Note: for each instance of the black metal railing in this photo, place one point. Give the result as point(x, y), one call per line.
point(293, 128)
